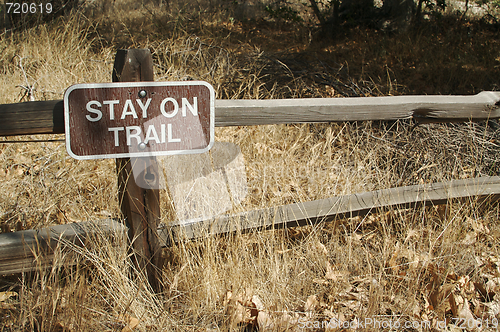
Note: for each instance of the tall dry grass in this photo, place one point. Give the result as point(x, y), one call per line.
point(423, 264)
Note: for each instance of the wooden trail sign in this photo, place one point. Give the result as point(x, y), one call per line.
point(134, 120)
point(138, 119)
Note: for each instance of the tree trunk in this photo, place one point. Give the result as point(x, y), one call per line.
point(401, 12)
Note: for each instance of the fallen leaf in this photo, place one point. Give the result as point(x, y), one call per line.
point(61, 326)
point(459, 302)
point(311, 303)
point(442, 211)
point(466, 287)
point(18, 170)
point(331, 274)
point(264, 321)
point(466, 315)
point(6, 295)
point(456, 303)
point(351, 304)
point(212, 328)
point(493, 285)
point(480, 309)
point(287, 322)
point(257, 302)
point(240, 308)
point(411, 233)
point(478, 225)
point(321, 248)
point(335, 318)
point(414, 259)
point(60, 217)
point(356, 238)
point(392, 264)
point(131, 322)
point(320, 281)
point(297, 233)
point(335, 275)
point(470, 238)
point(439, 293)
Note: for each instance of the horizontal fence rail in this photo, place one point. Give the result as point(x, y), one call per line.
point(47, 117)
point(341, 207)
point(32, 249)
point(422, 108)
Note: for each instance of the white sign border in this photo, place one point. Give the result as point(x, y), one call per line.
point(137, 84)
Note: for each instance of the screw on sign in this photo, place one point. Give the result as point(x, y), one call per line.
point(138, 119)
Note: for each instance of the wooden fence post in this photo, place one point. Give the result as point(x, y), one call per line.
point(140, 206)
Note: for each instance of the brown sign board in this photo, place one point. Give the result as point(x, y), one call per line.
point(138, 119)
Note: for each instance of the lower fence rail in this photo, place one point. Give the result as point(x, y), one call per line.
point(34, 249)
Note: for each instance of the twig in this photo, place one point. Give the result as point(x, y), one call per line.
point(29, 90)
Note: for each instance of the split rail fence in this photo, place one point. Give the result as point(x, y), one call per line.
point(18, 249)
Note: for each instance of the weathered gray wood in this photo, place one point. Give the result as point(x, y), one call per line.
point(32, 249)
point(46, 117)
point(431, 108)
point(18, 250)
point(329, 209)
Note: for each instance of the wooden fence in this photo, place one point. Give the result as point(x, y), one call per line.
point(47, 117)
point(19, 249)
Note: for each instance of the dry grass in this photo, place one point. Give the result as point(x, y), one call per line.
point(408, 265)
